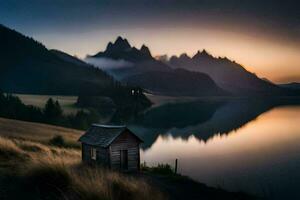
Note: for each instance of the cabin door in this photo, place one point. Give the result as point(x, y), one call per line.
point(124, 159)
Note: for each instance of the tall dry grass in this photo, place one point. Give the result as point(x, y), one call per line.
point(10, 154)
point(92, 182)
point(50, 172)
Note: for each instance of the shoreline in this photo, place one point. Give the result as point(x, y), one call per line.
point(158, 100)
point(179, 187)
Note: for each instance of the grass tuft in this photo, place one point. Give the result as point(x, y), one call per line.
point(57, 140)
point(28, 146)
point(10, 154)
point(163, 169)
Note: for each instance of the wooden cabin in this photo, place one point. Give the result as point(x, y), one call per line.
point(115, 147)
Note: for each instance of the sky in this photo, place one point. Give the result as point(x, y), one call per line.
point(263, 36)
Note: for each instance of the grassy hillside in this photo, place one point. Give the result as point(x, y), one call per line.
point(31, 168)
point(36, 132)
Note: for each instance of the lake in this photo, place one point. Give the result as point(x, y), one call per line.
point(248, 145)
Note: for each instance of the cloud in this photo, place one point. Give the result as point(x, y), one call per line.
point(107, 64)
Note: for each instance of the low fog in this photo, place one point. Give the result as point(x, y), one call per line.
point(107, 64)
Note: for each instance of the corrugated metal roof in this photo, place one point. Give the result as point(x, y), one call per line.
point(102, 135)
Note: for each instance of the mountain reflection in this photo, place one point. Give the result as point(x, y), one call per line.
point(202, 119)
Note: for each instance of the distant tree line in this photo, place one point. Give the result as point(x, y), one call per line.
point(124, 104)
point(13, 108)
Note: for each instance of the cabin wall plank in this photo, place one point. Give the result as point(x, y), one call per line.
point(102, 155)
point(125, 141)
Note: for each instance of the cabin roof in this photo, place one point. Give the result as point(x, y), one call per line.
point(103, 135)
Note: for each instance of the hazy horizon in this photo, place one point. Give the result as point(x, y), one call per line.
point(262, 36)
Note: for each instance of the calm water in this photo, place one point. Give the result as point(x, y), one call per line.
point(241, 145)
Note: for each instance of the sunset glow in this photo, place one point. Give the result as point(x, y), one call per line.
point(250, 33)
point(261, 144)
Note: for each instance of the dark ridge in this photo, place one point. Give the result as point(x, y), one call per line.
point(229, 75)
point(178, 82)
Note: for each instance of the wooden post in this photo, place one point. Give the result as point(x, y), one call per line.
point(176, 161)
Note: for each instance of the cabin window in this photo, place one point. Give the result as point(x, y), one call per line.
point(93, 153)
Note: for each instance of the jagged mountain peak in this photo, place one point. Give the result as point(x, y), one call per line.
point(121, 40)
point(121, 49)
point(109, 46)
point(145, 50)
point(173, 57)
point(119, 44)
point(184, 56)
point(202, 54)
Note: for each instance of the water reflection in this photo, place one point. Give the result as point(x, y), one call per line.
point(202, 119)
point(239, 145)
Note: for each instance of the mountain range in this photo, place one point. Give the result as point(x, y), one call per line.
point(27, 66)
point(228, 74)
point(200, 75)
point(155, 76)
